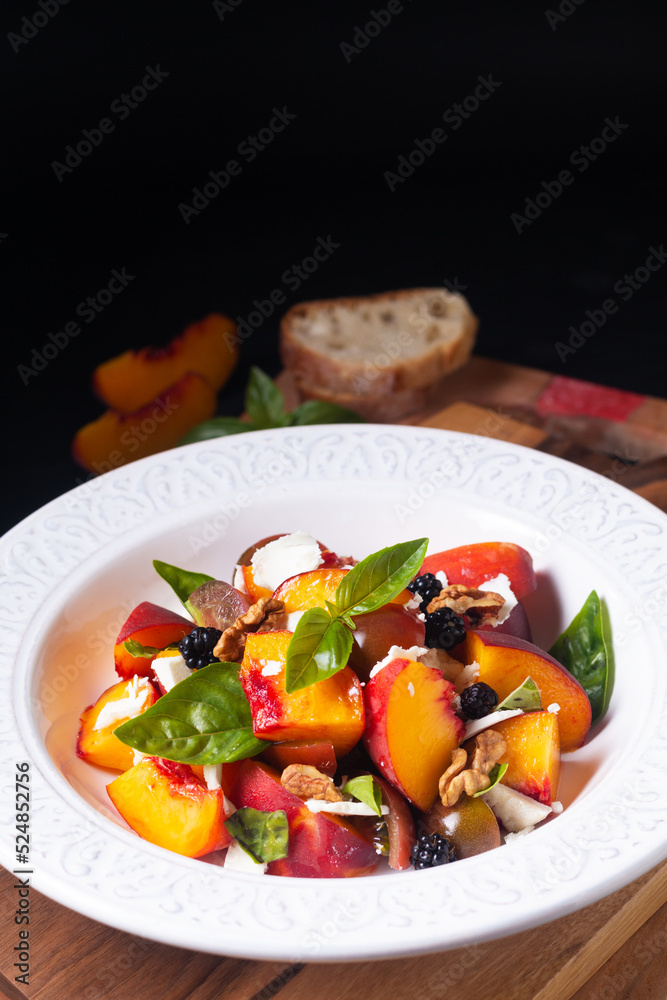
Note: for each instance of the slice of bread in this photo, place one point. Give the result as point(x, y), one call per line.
point(378, 354)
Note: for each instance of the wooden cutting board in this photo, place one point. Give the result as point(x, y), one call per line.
point(613, 950)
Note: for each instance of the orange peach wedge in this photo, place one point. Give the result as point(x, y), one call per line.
point(130, 381)
point(411, 728)
point(506, 661)
point(532, 755)
point(331, 710)
point(96, 742)
point(116, 438)
point(168, 805)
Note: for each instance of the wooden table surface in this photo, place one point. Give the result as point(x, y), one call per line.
point(613, 950)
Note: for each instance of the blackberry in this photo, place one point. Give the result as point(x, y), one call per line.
point(197, 647)
point(425, 587)
point(432, 849)
point(444, 629)
point(478, 700)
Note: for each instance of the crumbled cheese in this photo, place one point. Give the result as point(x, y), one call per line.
point(411, 689)
point(413, 604)
point(509, 837)
point(239, 580)
point(500, 585)
point(127, 707)
point(271, 667)
point(557, 807)
point(441, 578)
point(514, 810)
point(292, 618)
point(397, 652)
point(238, 860)
point(555, 708)
point(343, 808)
point(138, 757)
point(478, 725)
point(169, 670)
point(468, 676)
point(228, 806)
point(285, 557)
point(213, 775)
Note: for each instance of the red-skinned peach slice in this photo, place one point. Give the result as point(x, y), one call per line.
point(150, 625)
point(472, 564)
point(378, 631)
point(532, 755)
point(505, 662)
point(100, 746)
point(130, 380)
point(321, 845)
point(117, 438)
point(400, 826)
point(317, 753)
point(411, 728)
point(168, 805)
point(470, 826)
point(332, 709)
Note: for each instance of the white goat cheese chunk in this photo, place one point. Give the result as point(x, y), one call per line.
point(285, 557)
point(169, 670)
point(397, 652)
point(127, 707)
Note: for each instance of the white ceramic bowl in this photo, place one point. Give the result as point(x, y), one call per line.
point(74, 569)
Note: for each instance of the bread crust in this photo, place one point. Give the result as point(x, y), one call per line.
point(319, 372)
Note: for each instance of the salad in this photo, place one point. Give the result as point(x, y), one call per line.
point(318, 714)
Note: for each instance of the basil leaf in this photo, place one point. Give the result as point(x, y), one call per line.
point(216, 427)
point(262, 835)
point(320, 647)
point(316, 412)
point(583, 650)
point(527, 696)
point(135, 648)
point(495, 774)
point(204, 719)
point(366, 790)
point(264, 401)
point(380, 577)
point(181, 581)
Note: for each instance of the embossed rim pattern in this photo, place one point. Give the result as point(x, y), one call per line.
point(615, 832)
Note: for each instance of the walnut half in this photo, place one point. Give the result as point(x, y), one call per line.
point(263, 614)
point(468, 776)
point(309, 783)
point(477, 604)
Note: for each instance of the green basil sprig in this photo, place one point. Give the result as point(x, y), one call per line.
point(495, 774)
point(135, 648)
point(584, 651)
point(365, 790)
point(262, 835)
point(322, 640)
point(181, 581)
point(265, 406)
point(527, 697)
point(204, 719)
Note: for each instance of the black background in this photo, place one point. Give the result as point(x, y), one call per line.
point(323, 176)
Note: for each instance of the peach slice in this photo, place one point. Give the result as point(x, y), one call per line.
point(470, 826)
point(317, 753)
point(473, 564)
point(100, 746)
point(168, 805)
point(131, 380)
point(309, 590)
point(321, 845)
point(150, 625)
point(117, 438)
point(411, 729)
point(377, 631)
point(331, 710)
point(253, 591)
point(506, 661)
point(532, 755)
